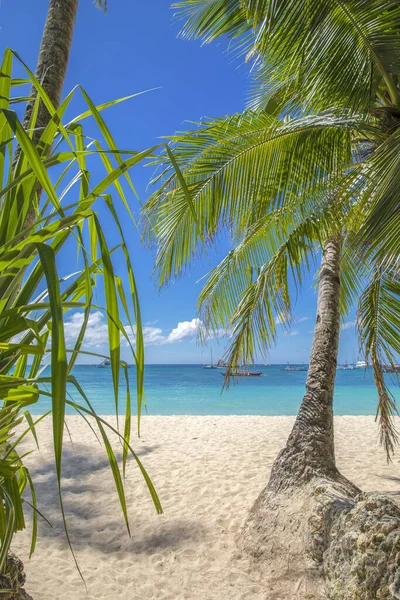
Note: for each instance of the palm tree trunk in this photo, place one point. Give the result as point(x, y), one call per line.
point(51, 70)
point(53, 58)
point(310, 450)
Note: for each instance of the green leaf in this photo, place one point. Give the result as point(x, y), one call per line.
point(58, 353)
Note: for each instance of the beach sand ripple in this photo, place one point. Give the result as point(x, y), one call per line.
point(208, 470)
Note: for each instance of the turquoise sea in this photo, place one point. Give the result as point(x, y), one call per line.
point(192, 390)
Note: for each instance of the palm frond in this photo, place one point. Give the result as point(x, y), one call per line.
point(379, 181)
point(378, 324)
point(339, 53)
point(101, 4)
point(237, 169)
point(294, 232)
point(248, 299)
point(209, 19)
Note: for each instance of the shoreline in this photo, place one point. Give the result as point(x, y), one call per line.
point(207, 470)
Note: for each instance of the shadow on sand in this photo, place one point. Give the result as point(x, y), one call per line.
point(94, 523)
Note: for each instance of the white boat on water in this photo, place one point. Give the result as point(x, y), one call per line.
point(361, 364)
point(346, 367)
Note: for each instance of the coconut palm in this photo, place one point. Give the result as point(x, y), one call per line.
point(254, 173)
point(53, 59)
point(260, 175)
point(321, 56)
point(313, 166)
point(287, 190)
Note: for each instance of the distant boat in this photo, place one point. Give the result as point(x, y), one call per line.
point(105, 363)
point(391, 368)
point(346, 367)
point(290, 367)
point(211, 365)
point(242, 372)
point(361, 364)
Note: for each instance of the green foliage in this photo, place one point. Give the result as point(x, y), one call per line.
point(318, 155)
point(335, 53)
point(237, 169)
point(265, 180)
point(33, 297)
point(379, 326)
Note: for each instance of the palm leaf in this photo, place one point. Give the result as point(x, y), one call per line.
point(379, 328)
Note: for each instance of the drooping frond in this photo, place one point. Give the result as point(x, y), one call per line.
point(354, 272)
point(340, 53)
point(306, 221)
point(249, 290)
point(237, 169)
point(379, 233)
point(101, 4)
point(209, 19)
point(379, 329)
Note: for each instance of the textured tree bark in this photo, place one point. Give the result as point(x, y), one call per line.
point(277, 529)
point(310, 450)
point(51, 69)
point(53, 59)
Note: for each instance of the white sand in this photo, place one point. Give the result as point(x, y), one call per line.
point(207, 471)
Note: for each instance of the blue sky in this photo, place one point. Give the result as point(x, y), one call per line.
point(131, 48)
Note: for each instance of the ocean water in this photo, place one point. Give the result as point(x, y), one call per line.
point(192, 390)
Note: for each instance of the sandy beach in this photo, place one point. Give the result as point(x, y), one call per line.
point(207, 470)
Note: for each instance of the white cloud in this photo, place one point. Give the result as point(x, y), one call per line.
point(291, 333)
point(183, 330)
point(153, 336)
point(221, 333)
point(96, 334)
point(302, 319)
point(348, 325)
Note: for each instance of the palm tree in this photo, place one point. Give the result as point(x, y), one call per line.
point(323, 56)
point(284, 189)
point(245, 172)
point(294, 174)
point(313, 165)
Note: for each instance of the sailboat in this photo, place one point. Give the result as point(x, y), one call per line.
point(211, 365)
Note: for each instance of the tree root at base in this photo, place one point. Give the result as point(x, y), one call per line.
point(322, 540)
